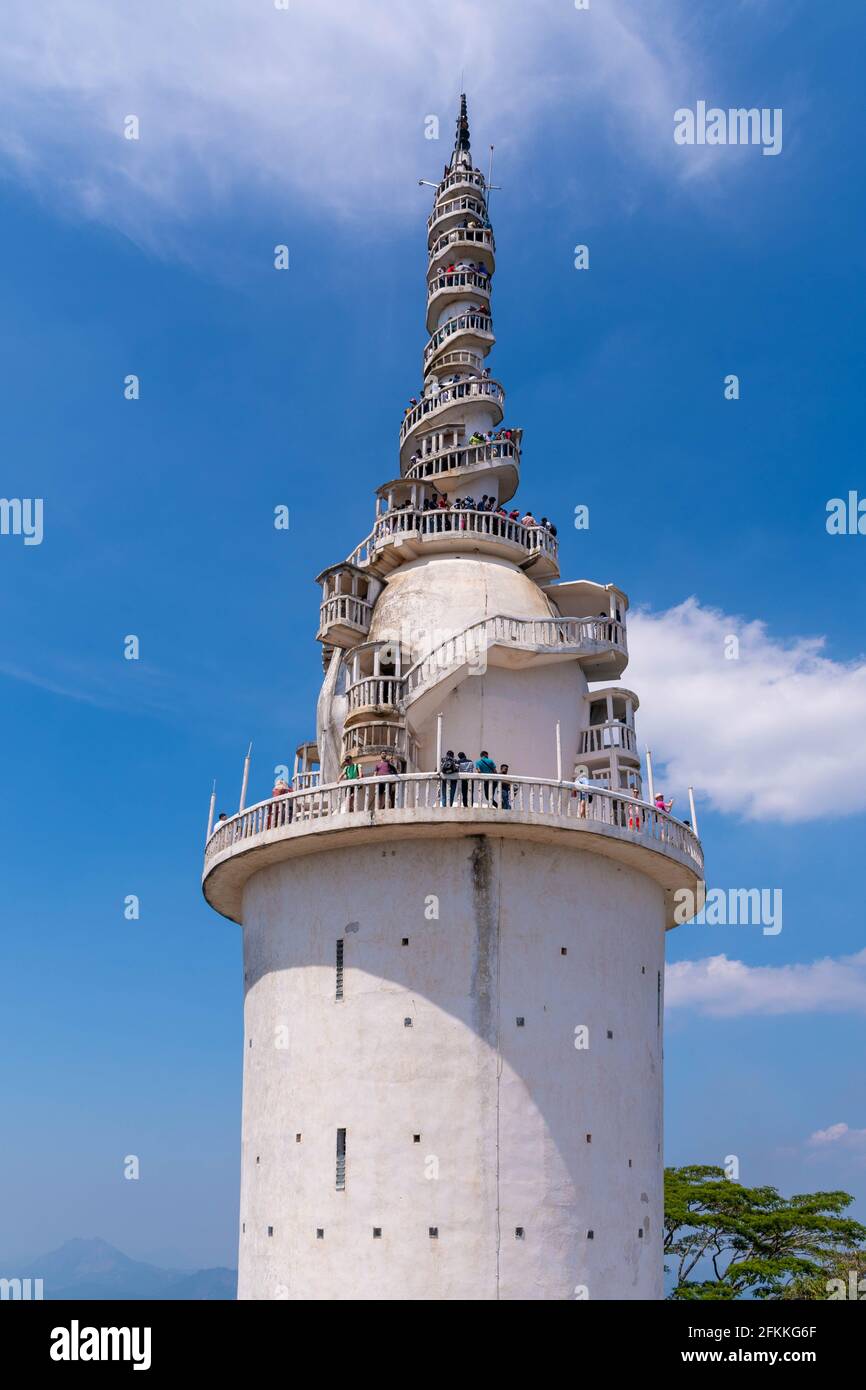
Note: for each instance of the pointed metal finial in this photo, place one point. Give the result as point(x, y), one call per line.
point(461, 140)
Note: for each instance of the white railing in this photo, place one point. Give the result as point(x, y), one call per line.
point(472, 236)
point(303, 781)
point(363, 553)
point(465, 456)
point(598, 738)
point(472, 177)
point(469, 645)
point(425, 792)
point(446, 396)
point(461, 524)
point(345, 608)
point(454, 205)
point(461, 323)
point(379, 736)
point(459, 279)
point(462, 357)
point(374, 692)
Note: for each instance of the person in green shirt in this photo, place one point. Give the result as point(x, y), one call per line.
point(486, 764)
point(351, 773)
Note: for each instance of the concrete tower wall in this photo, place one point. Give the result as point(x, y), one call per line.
point(503, 1111)
point(513, 715)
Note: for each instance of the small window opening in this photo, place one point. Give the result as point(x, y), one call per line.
point(341, 1160)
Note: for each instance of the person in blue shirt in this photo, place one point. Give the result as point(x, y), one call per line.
point(486, 764)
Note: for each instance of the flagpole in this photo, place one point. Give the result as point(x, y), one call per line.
point(692, 807)
point(246, 779)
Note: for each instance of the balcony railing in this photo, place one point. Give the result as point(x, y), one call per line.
point(461, 525)
point(472, 206)
point(458, 391)
point(469, 645)
point(464, 236)
point(461, 358)
point(374, 692)
point(468, 456)
point(346, 611)
point(459, 280)
point(481, 324)
point(579, 636)
point(379, 736)
point(471, 177)
point(425, 793)
point(598, 738)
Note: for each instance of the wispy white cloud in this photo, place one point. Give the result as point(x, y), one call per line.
point(724, 988)
point(139, 689)
point(771, 735)
point(840, 1136)
point(323, 102)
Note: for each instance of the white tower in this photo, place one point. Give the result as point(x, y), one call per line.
point(454, 987)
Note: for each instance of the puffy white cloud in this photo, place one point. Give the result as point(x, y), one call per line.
point(744, 732)
point(324, 101)
point(726, 988)
point(840, 1134)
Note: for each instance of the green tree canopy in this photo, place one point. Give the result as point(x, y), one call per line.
point(756, 1241)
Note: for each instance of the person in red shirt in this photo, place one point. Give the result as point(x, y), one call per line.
point(281, 789)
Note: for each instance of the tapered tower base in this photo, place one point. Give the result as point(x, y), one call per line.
point(479, 1115)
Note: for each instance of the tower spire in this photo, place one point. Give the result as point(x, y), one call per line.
point(461, 153)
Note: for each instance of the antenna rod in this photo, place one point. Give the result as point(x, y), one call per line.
point(246, 779)
point(211, 811)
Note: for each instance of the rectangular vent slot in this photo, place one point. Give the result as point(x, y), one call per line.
point(341, 1160)
point(340, 945)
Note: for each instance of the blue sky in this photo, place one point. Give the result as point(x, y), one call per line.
point(261, 387)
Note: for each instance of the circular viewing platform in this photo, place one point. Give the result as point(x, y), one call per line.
point(471, 179)
point(460, 209)
point(414, 805)
point(473, 331)
point(405, 532)
point(448, 405)
point(498, 459)
point(461, 242)
point(448, 289)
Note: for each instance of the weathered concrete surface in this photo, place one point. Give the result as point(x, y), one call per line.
point(503, 1110)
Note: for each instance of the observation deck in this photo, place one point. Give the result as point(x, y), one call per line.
point(411, 806)
point(406, 532)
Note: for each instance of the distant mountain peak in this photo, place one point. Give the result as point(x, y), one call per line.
point(89, 1267)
